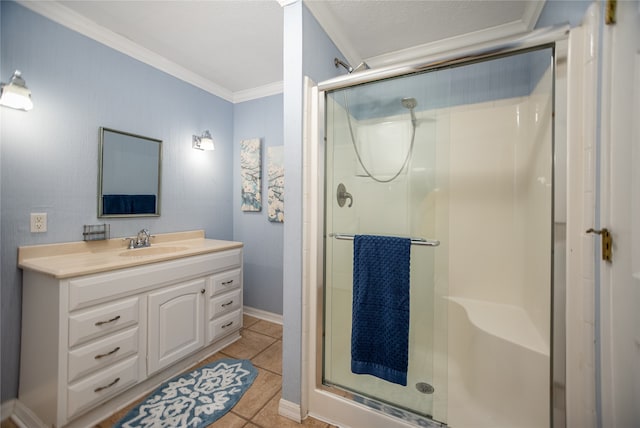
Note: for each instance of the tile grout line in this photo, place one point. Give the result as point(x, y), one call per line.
point(263, 407)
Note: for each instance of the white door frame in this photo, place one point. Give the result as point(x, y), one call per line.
point(619, 295)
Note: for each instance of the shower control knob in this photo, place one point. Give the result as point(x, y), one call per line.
point(342, 196)
point(425, 388)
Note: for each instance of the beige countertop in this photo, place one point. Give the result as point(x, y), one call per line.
point(86, 257)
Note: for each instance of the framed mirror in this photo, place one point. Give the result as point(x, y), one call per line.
point(128, 174)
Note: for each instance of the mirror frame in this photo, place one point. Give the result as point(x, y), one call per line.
point(101, 172)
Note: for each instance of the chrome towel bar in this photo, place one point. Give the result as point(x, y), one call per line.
point(414, 241)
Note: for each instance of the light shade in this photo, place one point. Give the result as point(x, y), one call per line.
point(15, 94)
point(203, 142)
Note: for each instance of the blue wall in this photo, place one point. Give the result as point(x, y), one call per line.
point(508, 77)
point(49, 155)
point(556, 12)
point(263, 240)
point(307, 51)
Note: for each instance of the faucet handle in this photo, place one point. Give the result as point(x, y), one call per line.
point(131, 242)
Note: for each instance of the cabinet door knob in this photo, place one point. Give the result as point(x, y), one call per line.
point(202, 291)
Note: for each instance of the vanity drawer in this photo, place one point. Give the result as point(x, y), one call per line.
point(102, 353)
point(99, 387)
point(96, 322)
point(224, 325)
point(225, 281)
point(225, 303)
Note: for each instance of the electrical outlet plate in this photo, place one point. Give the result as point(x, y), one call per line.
point(38, 222)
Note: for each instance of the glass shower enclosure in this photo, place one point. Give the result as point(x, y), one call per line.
point(458, 158)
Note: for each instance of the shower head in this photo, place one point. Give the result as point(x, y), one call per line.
point(410, 103)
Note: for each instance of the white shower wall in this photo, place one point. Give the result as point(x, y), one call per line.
point(494, 217)
point(494, 202)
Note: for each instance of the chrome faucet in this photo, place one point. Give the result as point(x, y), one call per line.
point(143, 239)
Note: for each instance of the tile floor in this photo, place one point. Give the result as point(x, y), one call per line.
point(261, 343)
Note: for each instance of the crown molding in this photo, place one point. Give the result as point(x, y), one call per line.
point(76, 22)
point(285, 3)
point(259, 92)
point(454, 43)
point(532, 14)
point(325, 17)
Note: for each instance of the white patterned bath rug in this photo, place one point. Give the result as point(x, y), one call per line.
point(195, 399)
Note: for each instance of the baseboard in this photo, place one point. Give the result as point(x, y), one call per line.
point(6, 410)
point(22, 416)
point(290, 410)
point(263, 315)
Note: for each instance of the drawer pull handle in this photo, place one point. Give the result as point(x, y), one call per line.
point(100, 388)
point(227, 282)
point(229, 324)
point(116, 318)
point(97, 357)
point(224, 305)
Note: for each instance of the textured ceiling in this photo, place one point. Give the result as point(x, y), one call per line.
point(235, 44)
point(234, 47)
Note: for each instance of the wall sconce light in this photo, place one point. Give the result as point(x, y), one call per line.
point(203, 142)
point(15, 94)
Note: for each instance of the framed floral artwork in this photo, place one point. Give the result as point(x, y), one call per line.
point(250, 174)
point(275, 191)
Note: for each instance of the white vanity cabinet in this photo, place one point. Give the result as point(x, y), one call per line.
point(93, 343)
point(175, 323)
point(225, 304)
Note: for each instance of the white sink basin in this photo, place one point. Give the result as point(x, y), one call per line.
point(151, 251)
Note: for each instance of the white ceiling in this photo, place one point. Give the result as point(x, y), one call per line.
point(233, 48)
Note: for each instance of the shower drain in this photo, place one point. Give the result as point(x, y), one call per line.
point(425, 388)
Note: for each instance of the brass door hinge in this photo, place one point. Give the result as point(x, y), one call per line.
point(607, 242)
point(610, 12)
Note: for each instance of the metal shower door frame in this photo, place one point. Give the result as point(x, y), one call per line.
point(553, 37)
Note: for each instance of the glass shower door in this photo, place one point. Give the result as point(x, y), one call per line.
point(478, 177)
point(380, 180)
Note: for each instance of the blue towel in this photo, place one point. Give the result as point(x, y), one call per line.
point(143, 204)
point(116, 204)
point(380, 323)
point(128, 204)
